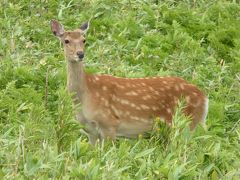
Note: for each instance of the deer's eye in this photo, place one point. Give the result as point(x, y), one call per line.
point(66, 41)
point(84, 41)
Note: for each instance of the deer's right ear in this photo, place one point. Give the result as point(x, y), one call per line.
point(57, 28)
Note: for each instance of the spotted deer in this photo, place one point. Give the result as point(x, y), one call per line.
point(115, 106)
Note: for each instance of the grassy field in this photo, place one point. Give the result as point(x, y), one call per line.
point(195, 40)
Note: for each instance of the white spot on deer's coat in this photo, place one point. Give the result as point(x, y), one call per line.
point(131, 93)
point(154, 108)
point(132, 105)
point(176, 88)
point(146, 97)
point(169, 110)
point(195, 94)
point(156, 92)
point(182, 86)
point(138, 118)
point(117, 99)
point(118, 112)
point(150, 88)
point(106, 103)
point(114, 98)
point(144, 106)
point(123, 101)
point(96, 78)
point(134, 117)
point(104, 88)
point(120, 86)
point(138, 108)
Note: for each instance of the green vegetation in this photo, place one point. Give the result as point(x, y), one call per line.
point(196, 40)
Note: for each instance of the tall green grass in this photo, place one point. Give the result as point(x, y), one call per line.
point(196, 40)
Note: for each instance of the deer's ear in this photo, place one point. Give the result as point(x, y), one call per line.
point(84, 27)
point(57, 28)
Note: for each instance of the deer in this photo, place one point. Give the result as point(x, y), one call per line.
point(123, 107)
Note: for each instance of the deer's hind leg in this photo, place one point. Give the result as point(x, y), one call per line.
point(197, 112)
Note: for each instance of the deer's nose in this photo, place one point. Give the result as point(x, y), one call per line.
point(80, 54)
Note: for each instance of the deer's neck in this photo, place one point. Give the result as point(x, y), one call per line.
point(76, 81)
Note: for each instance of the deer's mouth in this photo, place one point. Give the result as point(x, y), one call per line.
point(77, 59)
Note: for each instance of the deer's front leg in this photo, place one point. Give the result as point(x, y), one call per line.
point(108, 128)
point(90, 128)
point(108, 133)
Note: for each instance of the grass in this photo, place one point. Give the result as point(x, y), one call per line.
point(196, 40)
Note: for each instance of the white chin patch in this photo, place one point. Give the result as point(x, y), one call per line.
point(79, 60)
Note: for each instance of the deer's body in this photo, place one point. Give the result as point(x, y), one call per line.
point(114, 106)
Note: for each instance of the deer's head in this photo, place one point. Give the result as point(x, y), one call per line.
point(73, 41)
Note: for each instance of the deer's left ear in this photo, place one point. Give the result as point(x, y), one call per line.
point(84, 27)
